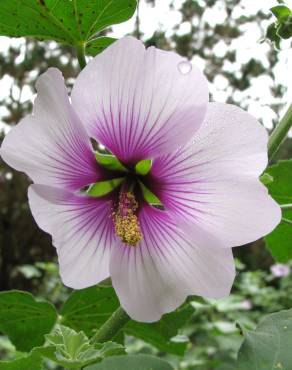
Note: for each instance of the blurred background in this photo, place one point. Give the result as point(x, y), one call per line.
point(226, 40)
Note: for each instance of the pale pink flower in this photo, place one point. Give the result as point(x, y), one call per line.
point(280, 270)
point(207, 157)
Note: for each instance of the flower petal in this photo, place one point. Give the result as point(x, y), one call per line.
point(156, 276)
point(213, 181)
point(82, 232)
point(51, 145)
point(137, 103)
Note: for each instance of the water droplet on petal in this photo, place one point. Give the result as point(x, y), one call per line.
point(184, 67)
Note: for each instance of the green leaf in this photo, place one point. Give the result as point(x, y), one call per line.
point(132, 362)
point(159, 334)
point(89, 308)
point(279, 241)
point(101, 188)
point(150, 197)
point(24, 319)
point(143, 167)
point(96, 46)
point(110, 162)
point(269, 346)
point(73, 350)
point(285, 29)
point(281, 12)
point(70, 22)
point(29, 362)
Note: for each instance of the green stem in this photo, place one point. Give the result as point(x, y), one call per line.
point(279, 133)
point(80, 50)
point(289, 222)
point(111, 327)
point(286, 206)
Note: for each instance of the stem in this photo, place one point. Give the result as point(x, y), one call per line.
point(80, 50)
point(286, 206)
point(279, 133)
point(286, 221)
point(112, 326)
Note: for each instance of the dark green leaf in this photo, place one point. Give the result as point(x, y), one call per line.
point(160, 333)
point(101, 188)
point(109, 162)
point(24, 319)
point(269, 346)
point(89, 308)
point(281, 12)
point(150, 197)
point(279, 241)
point(96, 46)
point(131, 362)
point(285, 29)
point(73, 350)
point(143, 167)
point(69, 22)
point(29, 362)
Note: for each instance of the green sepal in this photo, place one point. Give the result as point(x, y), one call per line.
point(110, 162)
point(143, 167)
point(150, 197)
point(101, 188)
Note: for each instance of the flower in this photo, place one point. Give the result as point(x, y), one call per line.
point(280, 270)
point(161, 233)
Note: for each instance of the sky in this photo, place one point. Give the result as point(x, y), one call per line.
point(247, 46)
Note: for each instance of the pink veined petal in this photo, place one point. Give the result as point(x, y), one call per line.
point(156, 276)
point(51, 146)
point(137, 103)
point(213, 181)
point(82, 232)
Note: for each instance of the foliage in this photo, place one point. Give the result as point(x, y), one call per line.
point(282, 27)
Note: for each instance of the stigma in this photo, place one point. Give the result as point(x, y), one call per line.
point(126, 222)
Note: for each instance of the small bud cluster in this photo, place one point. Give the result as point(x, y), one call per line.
point(126, 222)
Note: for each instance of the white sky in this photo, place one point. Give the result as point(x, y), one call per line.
point(247, 46)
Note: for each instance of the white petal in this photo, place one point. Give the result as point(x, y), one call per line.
point(82, 232)
point(156, 276)
point(51, 146)
point(137, 103)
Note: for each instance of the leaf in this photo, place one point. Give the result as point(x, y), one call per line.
point(269, 346)
point(279, 241)
point(24, 319)
point(132, 362)
point(89, 308)
point(72, 22)
point(73, 350)
point(143, 167)
point(101, 188)
point(285, 29)
point(96, 46)
point(281, 12)
point(109, 162)
point(150, 197)
point(159, 334)
point(29, 362)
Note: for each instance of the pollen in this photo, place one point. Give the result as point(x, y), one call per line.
point(126, 222)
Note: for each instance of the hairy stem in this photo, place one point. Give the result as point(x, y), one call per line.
point(112, 326)
point(286, 206)
point(279, 133)
point(80, 50)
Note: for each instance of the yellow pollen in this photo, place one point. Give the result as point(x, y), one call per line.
point(127, 225)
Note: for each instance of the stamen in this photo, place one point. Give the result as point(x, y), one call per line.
point(126, 222)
